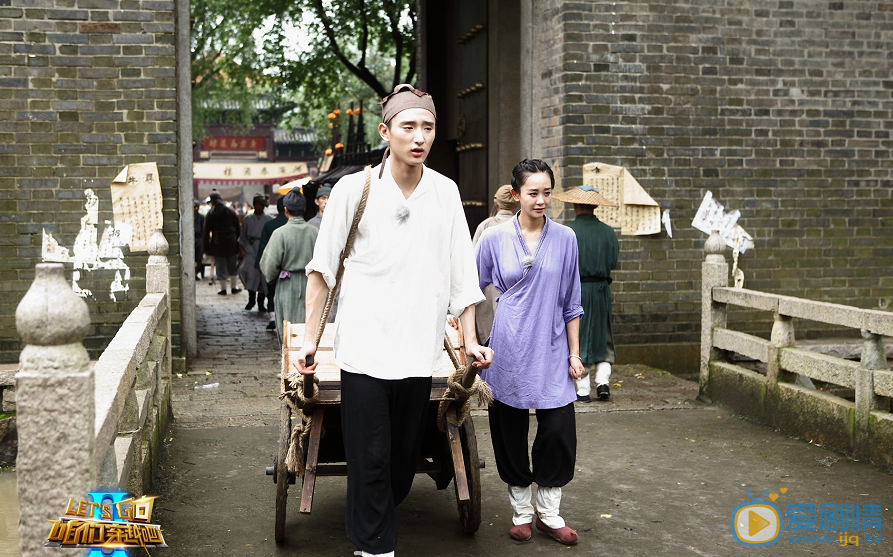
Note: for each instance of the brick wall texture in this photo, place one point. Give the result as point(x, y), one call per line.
point(86, 87)
point(781, 108)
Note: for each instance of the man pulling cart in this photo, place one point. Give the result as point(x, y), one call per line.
point(411, 263)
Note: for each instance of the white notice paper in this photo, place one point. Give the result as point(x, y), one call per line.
point(711, 216)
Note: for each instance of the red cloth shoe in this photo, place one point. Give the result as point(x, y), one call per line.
point(562, 535)
point(521, 532)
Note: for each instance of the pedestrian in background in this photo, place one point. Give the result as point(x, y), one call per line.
point(532, 261)
point(249, 240)
point(198, 222)
point(220, 239)
point(504, 208)
point(598, 247)
point(285, 256)
point(322, 197)
point(265, 234)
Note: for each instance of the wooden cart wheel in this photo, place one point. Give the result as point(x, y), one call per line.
point(281, 470)
point(470, 511)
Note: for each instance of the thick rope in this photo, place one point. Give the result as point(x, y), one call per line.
point(457, 395)
point(299, 404)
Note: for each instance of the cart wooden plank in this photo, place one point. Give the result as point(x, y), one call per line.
point(312, 461)
point(330, 374)
point(456, 453)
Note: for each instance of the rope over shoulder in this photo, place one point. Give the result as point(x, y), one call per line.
point(300, 404)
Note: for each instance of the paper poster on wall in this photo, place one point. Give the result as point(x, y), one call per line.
point(638, 214)
point(712, 216)
point(136, 201)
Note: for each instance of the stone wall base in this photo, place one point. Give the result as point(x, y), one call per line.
point(822, 418)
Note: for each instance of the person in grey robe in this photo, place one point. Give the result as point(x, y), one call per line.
point(504, 207)
point(249, 241)
point(286, 254)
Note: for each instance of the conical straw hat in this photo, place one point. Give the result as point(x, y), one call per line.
point(583, 195)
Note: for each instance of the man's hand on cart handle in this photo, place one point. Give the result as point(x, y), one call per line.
point(483, 355)
point(304, 362)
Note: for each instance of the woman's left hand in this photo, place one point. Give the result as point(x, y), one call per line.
point(576, 369)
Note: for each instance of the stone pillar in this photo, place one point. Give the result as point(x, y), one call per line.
point(188, 333)
point(874, 356)
point(158, 281)
point(55, 405)
point(782, 335)
point(714, 272)
point(530, 83)
point(158, 269)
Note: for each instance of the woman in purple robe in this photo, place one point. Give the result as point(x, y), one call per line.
point(532, 261)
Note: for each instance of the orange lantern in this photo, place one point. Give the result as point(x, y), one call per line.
point(357, 112)
point(339, 146)
point(332, 116)
point(330, 125)
point(328, 152)
point(337, 111)
point(349, 112)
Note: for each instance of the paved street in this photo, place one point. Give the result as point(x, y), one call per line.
point(658, 473)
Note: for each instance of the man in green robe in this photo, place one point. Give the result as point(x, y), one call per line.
point(286, 254)
point(598, 249)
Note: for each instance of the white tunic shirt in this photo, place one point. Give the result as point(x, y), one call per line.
point(411, 263)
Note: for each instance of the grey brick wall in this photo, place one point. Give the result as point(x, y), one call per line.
point(781, 108)
point(86, 87)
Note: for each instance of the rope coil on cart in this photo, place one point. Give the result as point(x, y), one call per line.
point(296, 396)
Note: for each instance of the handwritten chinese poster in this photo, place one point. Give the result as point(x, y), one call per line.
point(136, 201)
point(638, 214)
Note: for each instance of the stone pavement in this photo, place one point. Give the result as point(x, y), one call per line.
point(658, 473)
point(237, 353)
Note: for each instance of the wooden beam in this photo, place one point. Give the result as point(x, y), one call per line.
point(456, 452)
point(311, 459)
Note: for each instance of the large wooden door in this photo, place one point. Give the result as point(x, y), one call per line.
point(471, 146)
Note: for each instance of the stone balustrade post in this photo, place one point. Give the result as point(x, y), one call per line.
point(158, 269)
point(55, 405)
point(782, 336)
point(158, 281)
point(874, 357)
point(714, 272)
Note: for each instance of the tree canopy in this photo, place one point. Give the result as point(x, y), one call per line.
point(316, 54)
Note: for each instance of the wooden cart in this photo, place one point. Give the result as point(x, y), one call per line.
point(446, 457)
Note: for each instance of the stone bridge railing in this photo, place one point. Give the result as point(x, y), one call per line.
point(776, 392)
point(84, 427)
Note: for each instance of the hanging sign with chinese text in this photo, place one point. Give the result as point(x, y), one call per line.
point(249, 171)
point(233, 143)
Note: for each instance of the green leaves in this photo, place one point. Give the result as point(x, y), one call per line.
point(315, 53)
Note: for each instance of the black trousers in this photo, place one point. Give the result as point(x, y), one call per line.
point(383, 423)
point(554, 447)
